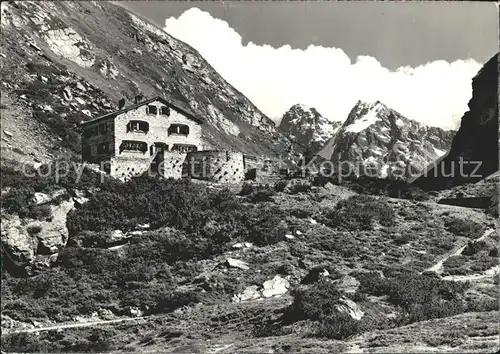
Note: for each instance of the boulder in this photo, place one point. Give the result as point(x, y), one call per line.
point(290, 237)
point(80, 87)
point(54, 234)
point(135, 312)
point(80, 101)
point(45, 261)
point(68, 96)
point(235, 263)
point(79, 197)
point(20, 247)
point(351, 308)
point(250, 293)
point(275, 287)
point(238, 245)
point(35, 244)
point(116, 236)
point(43, 198)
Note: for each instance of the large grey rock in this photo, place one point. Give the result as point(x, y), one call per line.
point(79, 197)
point(275, 287)
point(36, 243)
point(67, 94)
point(44, 198)
point(19, 245)
point(235, 263)
point(116, 236)
point(351, 308)
point(54, 234)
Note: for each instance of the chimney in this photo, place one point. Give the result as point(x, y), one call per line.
point(121, 103)
point(138, 98)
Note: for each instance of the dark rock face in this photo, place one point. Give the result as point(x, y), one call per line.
point(476, 142)
point(308, 128)
point(377, 141)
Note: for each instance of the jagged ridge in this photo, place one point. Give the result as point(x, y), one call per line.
point(376, 135)
point(307, 127)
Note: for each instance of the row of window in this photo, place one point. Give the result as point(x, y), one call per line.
point(153, 110)
point(133, 145)
point(140, 126)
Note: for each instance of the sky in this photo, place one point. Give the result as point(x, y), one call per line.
point(416, 57)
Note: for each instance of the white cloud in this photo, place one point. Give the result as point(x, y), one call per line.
point(274, 79)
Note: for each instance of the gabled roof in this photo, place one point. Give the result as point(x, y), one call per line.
point(143, 103)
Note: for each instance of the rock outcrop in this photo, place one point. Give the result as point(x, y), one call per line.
point(476, 142)
point(276, 286)
point(351, 308)
point(30, 244)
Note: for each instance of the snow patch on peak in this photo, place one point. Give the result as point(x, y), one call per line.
point(361, 124)
point(303, 107)
point(439, 152)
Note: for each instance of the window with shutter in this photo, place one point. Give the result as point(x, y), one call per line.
point(179, 129)
point(151, 110)
point(132, 145)
point(138, 126)
point(165, 111)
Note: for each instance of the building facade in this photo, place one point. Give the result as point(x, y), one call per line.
point(159, 138)
point(142, 137)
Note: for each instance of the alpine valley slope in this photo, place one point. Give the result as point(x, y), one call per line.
point(67, 62)
point(378, 141)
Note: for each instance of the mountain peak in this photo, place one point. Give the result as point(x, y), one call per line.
point(376, 134)
point(307, 127)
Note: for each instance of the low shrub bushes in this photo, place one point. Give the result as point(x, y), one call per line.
point(420, 297)
point(319, 303)
point(358, 213)
point(466, 228)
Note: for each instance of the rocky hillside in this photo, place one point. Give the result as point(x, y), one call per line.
point(378, 139)
point(67, 62)
point(477, 139)
point(308, 128)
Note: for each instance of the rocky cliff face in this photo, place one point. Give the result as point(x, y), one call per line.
point(378, 141)
point(307, 127)
point(476, 142)
point(67, 62)
point(34, 244)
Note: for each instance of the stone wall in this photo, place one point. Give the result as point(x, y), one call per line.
point(260, 169)
point(216, 166)
point(172, 165)
point(125, 167)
